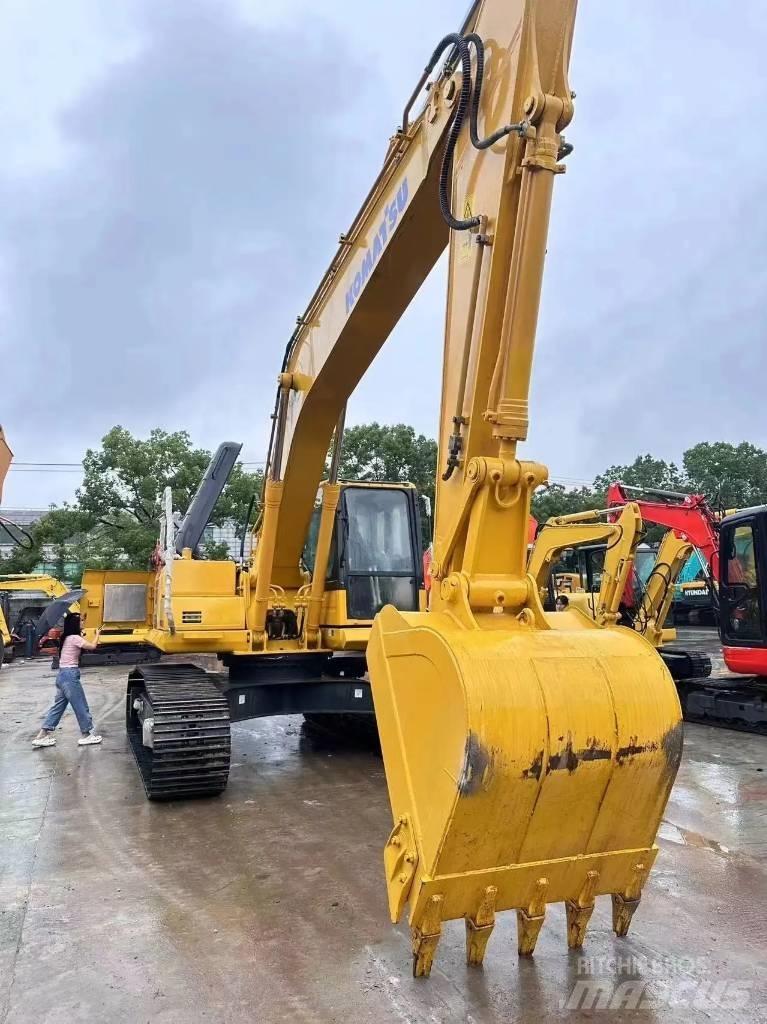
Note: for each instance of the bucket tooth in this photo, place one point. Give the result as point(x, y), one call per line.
point(623, 911)
point(527, 932)
point(625, 903)
point(579, 911)
point(400, 864)
point(530, 919)
point(425, 937)
point(480, 927)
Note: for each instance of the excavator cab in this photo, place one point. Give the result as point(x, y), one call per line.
point(376, 557)
point(743, 590)
point(577, 571)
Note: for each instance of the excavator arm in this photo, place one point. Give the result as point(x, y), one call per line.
point(659, 588)
point(621, 538)
point(486, 750)
point(688, 515)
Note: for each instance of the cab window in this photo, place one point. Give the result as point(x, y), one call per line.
point(744, 616)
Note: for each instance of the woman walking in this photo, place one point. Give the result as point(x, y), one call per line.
point(69, 689)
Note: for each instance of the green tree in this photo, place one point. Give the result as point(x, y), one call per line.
point(556, 500)
point(644, 471)
point(734, 476)
point(375, 451)
point(115, 520)
point(123, 487)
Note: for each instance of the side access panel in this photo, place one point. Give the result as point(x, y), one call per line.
point(119, 603)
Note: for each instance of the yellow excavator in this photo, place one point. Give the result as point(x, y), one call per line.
point(6, 456)
point(529, 755)
point(605, 594)
point(561, 533)
point(23, 596)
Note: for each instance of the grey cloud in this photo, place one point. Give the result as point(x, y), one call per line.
point(652, 333)
point(212, 170)
point(154, 278)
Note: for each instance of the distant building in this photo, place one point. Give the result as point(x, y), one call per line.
point(226, 534)
point(22, 517)
point(27, 517)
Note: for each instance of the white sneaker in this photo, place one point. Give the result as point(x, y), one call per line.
point(44, 739)
point(89, 740)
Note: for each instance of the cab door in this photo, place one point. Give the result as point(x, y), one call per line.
point(379, 549)
point(743, 578)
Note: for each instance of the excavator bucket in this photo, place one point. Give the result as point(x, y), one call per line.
point(526, 766)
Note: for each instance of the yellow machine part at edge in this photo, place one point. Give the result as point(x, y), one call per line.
point(5, 634)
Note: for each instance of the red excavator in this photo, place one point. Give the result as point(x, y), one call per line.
point(734, 548)
point(742, 579)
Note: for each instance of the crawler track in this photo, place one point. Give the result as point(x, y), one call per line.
point(191, 740)
point(726, 704)
point(686, 664)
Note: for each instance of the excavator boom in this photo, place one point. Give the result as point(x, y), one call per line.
point(688, 515)
point(658, 592)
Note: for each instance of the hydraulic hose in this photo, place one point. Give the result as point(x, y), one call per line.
point(486, 143)
point(446, 171)
point(468, 101)
point(245, 526)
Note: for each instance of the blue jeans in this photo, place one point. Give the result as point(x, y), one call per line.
point(69, 690)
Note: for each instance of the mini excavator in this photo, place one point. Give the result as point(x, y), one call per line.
point(608, 540)
point(529, 756)
point(737, 582)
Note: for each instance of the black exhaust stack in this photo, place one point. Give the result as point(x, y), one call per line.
point(201, 507)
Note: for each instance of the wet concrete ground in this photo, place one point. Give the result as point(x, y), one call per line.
point(268, 904)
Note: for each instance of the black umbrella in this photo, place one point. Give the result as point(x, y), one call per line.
point(56, 611)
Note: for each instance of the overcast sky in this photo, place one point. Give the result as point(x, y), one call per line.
point(175, 175)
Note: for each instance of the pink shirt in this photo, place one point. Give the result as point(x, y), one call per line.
point(70, 651)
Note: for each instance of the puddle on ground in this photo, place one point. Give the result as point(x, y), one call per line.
point(685, 837)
